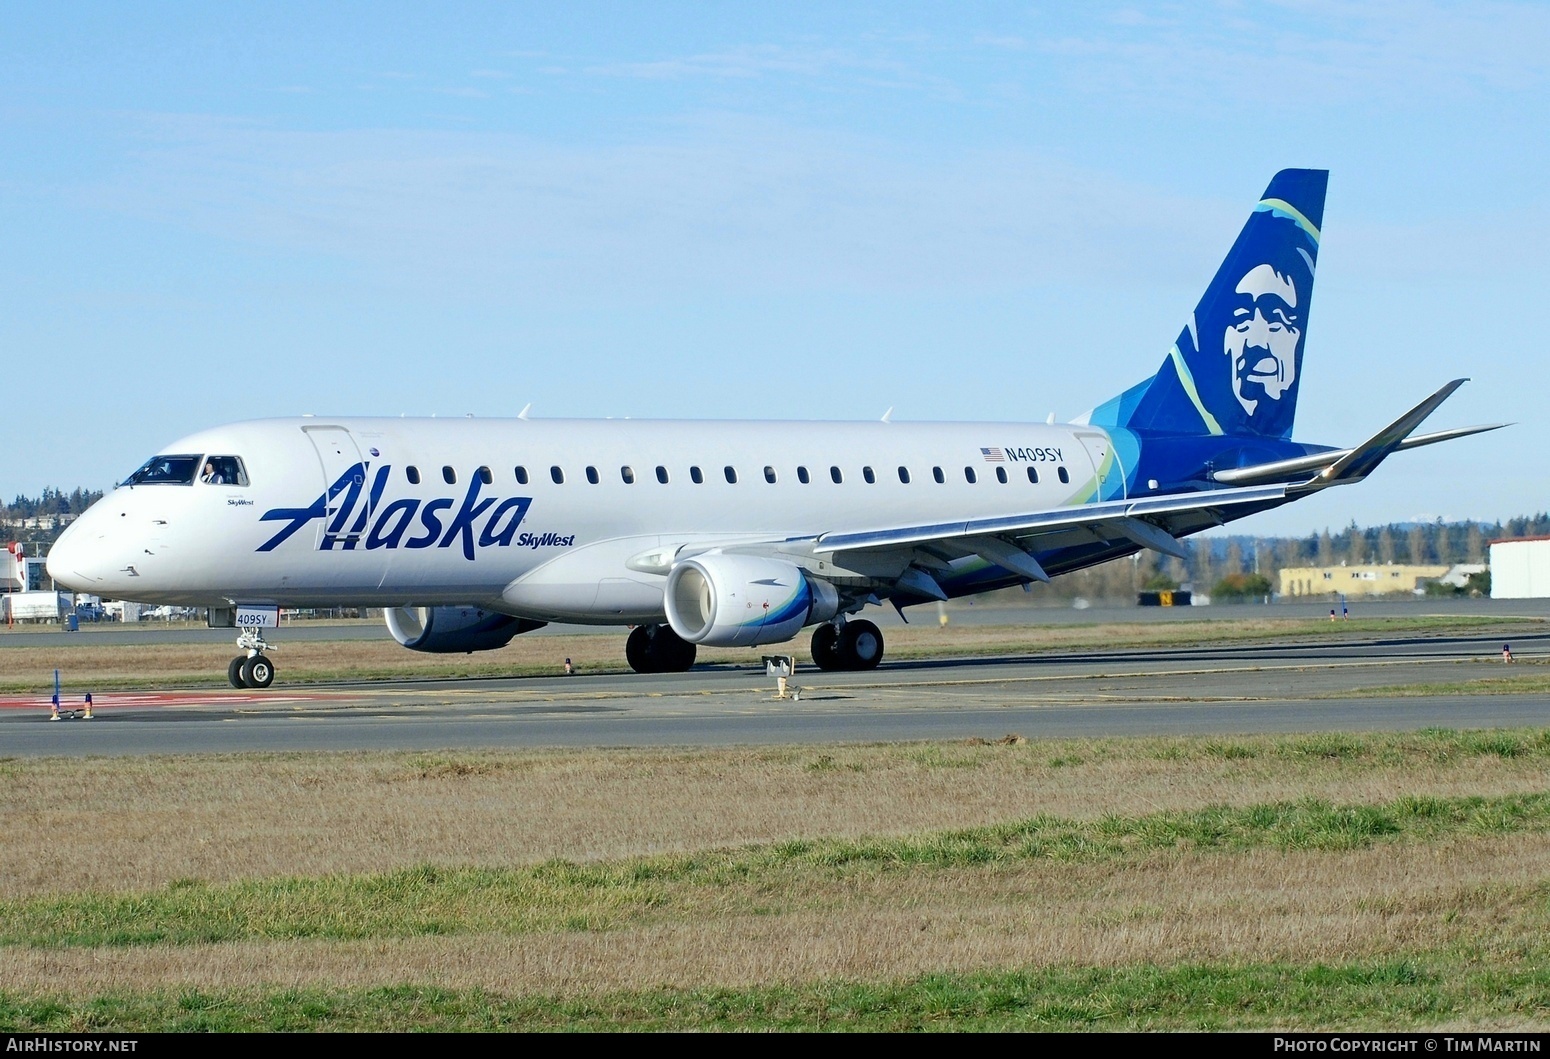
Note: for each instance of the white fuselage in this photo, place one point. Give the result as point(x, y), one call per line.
point(302, 531)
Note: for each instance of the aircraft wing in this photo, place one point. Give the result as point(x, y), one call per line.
point(1011, 541)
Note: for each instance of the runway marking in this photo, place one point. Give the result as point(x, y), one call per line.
point(125, 700)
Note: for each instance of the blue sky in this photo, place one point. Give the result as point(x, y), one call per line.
point(970, 211)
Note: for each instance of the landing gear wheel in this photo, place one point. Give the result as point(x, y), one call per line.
point(257, 672)
point(669, 652)
point(234, 672)
point(635, 650)
point(826, 647)
point(658, 649)
point(861, 645)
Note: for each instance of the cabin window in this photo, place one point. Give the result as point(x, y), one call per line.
point(769, 475)
point(731, 474)
point(223, 470)
point(696, 476)
point(521, 475)
point(592, 475)
point(1001, 475)
point(936, 473)
point(485, 476)
point(1033, 476)
point(557, 475)
point(413, 474)
point(449, 476)
point(1064, 477)
point(969, 475)
point(802, 475)
point(871, 479)
point(628, 474)
point(834, 473)
point(904, 475)
point(662, 474)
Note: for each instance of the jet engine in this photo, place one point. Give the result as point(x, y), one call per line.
point(453, 630)
point(723, 600)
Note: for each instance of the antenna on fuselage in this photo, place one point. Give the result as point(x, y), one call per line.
point(888, 415)
point(525, 410)
point(1051, 419)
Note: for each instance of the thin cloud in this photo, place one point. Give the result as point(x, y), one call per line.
point(721, 207)
point(1292, 55)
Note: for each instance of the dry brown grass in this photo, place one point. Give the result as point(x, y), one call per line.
point(133, 824)
point(1266, 905)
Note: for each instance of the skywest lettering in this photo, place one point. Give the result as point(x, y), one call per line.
point(408, 522)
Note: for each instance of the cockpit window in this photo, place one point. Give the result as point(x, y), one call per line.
point(166, 470)
point(223, 470)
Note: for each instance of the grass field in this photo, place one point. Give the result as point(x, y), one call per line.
point(1384, 881)
point(85, 665)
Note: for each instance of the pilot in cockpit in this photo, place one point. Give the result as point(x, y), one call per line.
point(223, 470)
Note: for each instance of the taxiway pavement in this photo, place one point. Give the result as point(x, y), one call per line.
point(1196, 689)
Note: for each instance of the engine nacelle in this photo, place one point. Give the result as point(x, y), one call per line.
point(723, 600)
point(454, 630)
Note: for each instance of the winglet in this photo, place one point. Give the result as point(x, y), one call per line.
point(1364, 458)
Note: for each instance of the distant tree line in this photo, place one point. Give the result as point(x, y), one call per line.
point(52, 502)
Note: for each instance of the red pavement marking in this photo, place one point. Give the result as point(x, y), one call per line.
point(112, 700)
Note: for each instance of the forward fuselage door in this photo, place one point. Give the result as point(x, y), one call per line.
point(1107, 472)
point(348, 501)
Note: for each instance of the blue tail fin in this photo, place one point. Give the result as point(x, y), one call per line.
point(1236, 366)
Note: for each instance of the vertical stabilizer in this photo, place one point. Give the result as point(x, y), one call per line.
point(1236, 366)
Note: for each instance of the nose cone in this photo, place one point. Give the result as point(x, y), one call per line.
point(69, 560)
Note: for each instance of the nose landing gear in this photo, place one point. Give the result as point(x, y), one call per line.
point(253, 669)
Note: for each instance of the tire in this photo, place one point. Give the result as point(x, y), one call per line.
point(234, 672)
point(668, 652)
point(258, 672)
point(826, 647)
point(637, 650)
point(861, 645)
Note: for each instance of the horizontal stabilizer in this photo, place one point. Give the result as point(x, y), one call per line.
point(1361, 461)
point(1282, 470)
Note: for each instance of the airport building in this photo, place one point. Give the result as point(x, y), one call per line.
point(26, 593)
point(1520, 569)
point(1364, 579)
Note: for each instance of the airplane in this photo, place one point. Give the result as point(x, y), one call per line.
point(469, 532)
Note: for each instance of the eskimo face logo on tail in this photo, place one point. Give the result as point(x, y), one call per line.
point(1262, 336)
point(407, 522)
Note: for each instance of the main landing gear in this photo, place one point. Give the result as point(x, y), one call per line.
point(658, 649)
point(853, 645)
point(251, 670)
